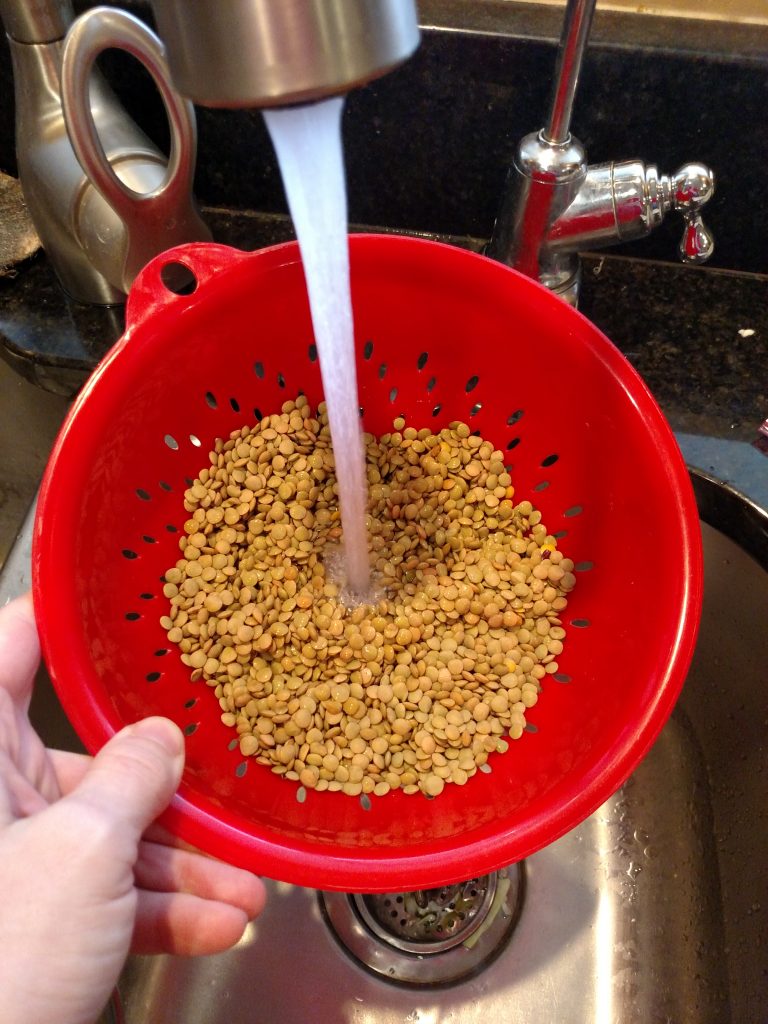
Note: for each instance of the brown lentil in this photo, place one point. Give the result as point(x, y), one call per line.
point(416, 688)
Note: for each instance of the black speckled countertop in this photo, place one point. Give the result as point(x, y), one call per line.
point(699, 339)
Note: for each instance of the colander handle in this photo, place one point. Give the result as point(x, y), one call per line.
point(175, 277)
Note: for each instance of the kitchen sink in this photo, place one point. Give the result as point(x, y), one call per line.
point(653, 910)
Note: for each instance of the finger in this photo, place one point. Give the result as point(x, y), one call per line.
point(166, 863)
point(19, 649)
point(19, 797)
point(165, 869)
point(133, 777)
point(185, 925)
point(69, 768)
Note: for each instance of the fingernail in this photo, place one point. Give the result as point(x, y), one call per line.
point(162, 731)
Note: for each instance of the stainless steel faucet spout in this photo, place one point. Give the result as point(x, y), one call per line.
point(576, 28)
point(262, 53)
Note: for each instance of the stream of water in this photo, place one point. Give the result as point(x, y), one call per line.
point(307, 141)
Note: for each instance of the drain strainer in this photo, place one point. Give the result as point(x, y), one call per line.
point(430, 920)
point(430, 936)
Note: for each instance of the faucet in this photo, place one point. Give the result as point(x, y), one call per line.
point(101, 196)
point(557, 205)
point(264, 53)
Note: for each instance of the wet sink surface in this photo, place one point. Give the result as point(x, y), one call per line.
point(653, 910)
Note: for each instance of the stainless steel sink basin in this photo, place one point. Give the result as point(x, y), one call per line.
point(653, 910)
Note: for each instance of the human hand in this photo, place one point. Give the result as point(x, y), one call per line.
point(85, 877)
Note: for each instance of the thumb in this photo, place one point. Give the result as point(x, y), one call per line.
point(134, 776)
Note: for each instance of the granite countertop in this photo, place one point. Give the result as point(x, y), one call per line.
point(698, 337)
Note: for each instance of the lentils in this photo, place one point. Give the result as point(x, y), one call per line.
point(411, 691)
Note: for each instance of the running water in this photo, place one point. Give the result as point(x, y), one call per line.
point(307, 140)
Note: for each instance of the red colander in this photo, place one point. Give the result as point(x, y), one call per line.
point(441, 335)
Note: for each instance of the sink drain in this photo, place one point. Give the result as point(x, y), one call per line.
point(430, 936)
point(430, 920)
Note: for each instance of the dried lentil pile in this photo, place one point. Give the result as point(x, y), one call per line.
point(410, 692)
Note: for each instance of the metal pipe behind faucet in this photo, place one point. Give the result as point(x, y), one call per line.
point(573, 43)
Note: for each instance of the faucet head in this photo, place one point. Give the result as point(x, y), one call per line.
point(266, 53)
